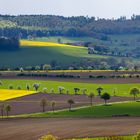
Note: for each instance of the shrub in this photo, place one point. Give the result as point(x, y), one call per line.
point(11, 87)
point(48, 137)
point(1, 83)
point(52, 90)
point(45, 90)
point(19, 88)
point(115, 138)
point(137, 137)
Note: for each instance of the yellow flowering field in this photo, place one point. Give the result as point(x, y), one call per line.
point(45, 44)
point(6, 94)
point(88, 71)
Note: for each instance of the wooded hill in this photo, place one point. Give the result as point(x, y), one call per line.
point(49, 25)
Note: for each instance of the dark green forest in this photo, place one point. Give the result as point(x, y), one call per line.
point(49, 25)
point(9, 44)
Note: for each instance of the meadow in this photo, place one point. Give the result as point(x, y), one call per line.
point(32, 54)
point(107, 138)
point(6, 94)
point(120, 89)
point(46, 50)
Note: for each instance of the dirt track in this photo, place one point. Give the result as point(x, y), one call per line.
point(31, 103)
point(32, 129)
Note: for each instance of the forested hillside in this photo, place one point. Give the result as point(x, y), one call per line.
point(47, 25)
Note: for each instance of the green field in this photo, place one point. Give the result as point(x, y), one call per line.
point(121, 89)
point(129, 108)
point(132, 40)
point(32, 56)
point(105, 138)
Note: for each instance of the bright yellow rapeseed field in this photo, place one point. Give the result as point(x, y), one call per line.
point(10, 94)
point(45, 44)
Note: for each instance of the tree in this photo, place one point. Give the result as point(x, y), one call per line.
point(9, 44)
point(137, 137)
point(46, 67)
point(59, 40)
point(84, 90)
point(19, 88)
point(99, 90)
point(36, 86)
point(11, 87)
point(53, 105)
point(61, 89)
point(2, 110)
point(28, 87)
point(45, 90)
point(0, 83)
point(134, 92)
point(37, 68)
point(67, 91)
point(43, 104)
point(7, 109)
point(114, 91)
point(106, 96)
point(70, 102)
point(91, 96)
point(52, 90)
point(76, 90)
point(21, 69)
point(48, 137)
point(136, 68)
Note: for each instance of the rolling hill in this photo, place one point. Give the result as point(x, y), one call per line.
point(36, 53)
point(47, 51)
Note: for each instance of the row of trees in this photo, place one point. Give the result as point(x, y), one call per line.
point(6, 108)
point(44, 102)
point(105, 96)
point(134, 91)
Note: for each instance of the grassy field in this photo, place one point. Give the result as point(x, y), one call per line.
point(46, 50)
point(10, 94)
point(34, 54)
point(129, 108)
point(67, 39)
point(121, 89)
point(132, 40)
point(105, 138)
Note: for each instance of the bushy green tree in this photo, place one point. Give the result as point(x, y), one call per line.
point(134, 92)
point(106, 96)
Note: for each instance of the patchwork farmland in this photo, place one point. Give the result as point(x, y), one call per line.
point(70, 87)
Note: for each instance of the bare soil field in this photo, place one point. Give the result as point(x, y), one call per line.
point(81, 80)
point(33, 128)
point(84, 76)
point(31, 103)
